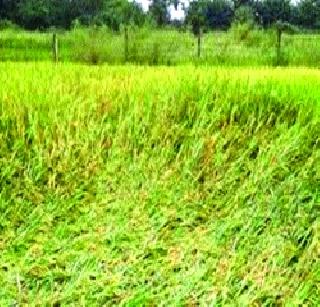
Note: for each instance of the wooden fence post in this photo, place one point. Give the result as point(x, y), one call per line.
point(278, 44)
point(126, 44)
point(55, 48)
point(199, 42)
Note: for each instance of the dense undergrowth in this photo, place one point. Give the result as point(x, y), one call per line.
point(150, 186)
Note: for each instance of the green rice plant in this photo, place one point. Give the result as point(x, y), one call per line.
point(128, 185)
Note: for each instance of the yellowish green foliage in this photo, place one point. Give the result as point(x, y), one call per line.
point(149, 186)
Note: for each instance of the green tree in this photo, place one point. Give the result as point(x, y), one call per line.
point(86, 10)
point(159, 11)
point(196, 15)
point(8, 9)
point(218, 14)
point(118, 12)
point(210, 14)
point(34, 14)
point(271, 11)
point(239, 3)
point(309, 13)
point(244, 15)
point(62, 13)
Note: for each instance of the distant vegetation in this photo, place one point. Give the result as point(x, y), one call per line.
point(210, 14)
point(241, 45)
point(215, 32)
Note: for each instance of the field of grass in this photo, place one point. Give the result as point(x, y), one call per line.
point(164, 186)
point(164, 47)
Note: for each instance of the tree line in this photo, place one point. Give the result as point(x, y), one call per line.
point(209, 14)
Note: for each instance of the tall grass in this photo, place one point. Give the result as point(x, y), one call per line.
point(148, 186)
point(237, 47)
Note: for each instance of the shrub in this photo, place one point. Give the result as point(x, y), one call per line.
point(7, 24)
point(244, 15)
point(240, 31)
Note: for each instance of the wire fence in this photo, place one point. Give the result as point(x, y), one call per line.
point(161, 47)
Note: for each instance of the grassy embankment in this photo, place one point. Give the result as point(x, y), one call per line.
point(236, 47)
point(146, 185)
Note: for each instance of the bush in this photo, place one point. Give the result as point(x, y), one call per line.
point(252, 36)
point(243, 25)
point(244, 15)
point(7, 24)
point(76, 24)
point(240, 31)
point(90, 45)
